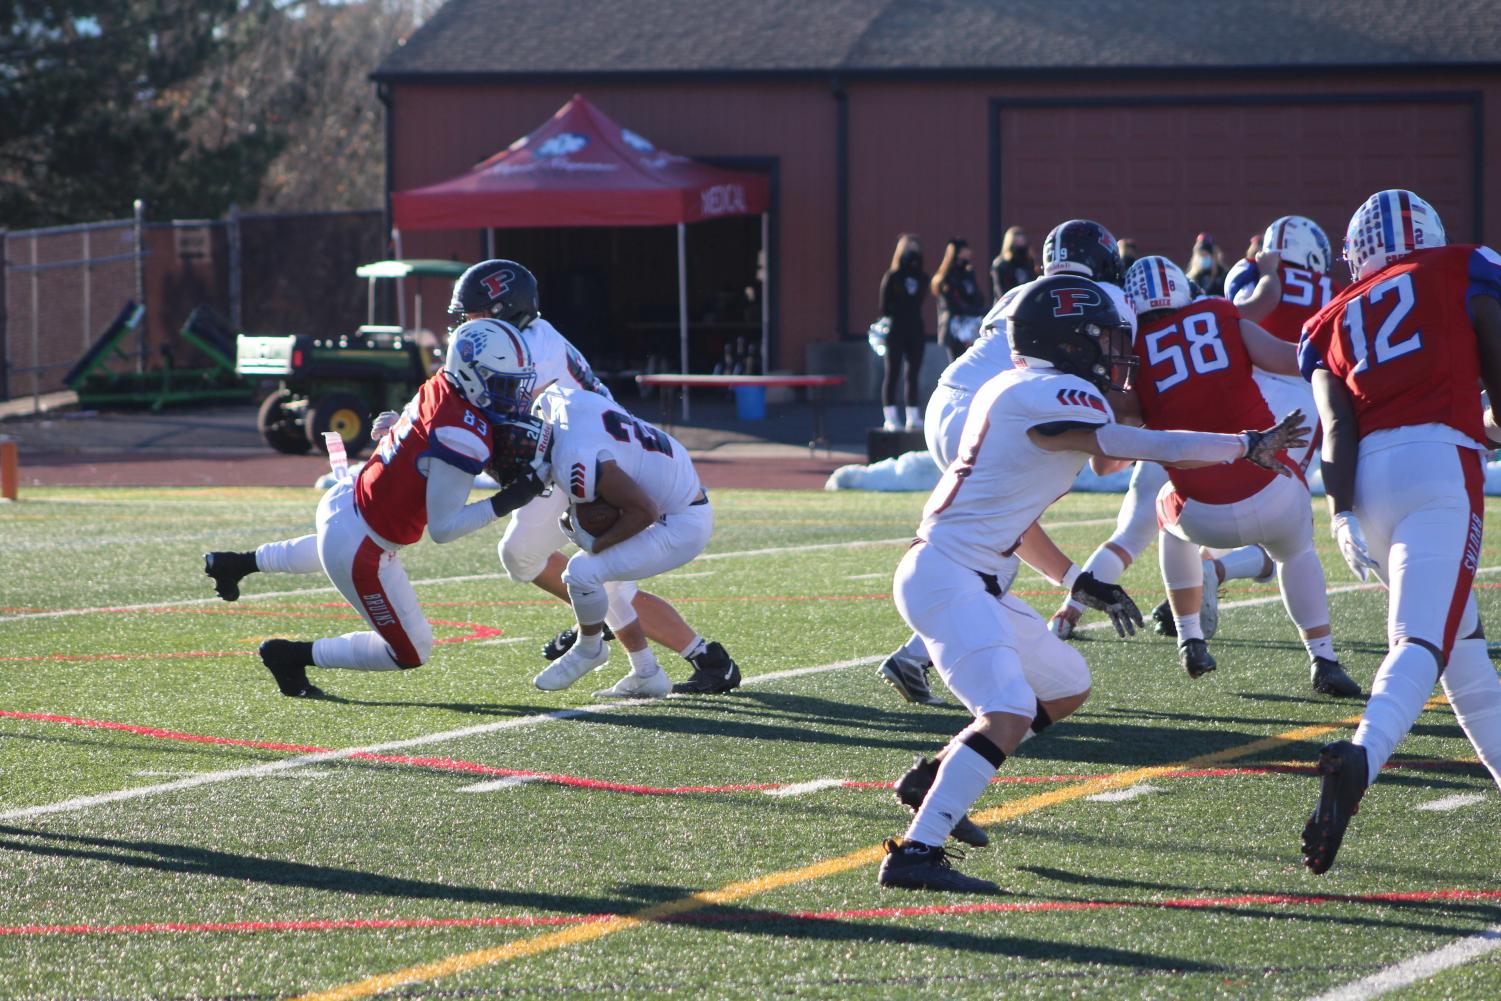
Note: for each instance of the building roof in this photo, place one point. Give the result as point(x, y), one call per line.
point(508, 38)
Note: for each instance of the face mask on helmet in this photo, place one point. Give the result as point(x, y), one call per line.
point(1390, 225)
point(497, 289)
point(1300, 241)
point(488, 363)
point(1155, 283)
point(1082, 247)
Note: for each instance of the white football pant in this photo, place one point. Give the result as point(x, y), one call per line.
point(666, 544)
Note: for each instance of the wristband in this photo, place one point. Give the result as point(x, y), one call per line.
point(1069, 576)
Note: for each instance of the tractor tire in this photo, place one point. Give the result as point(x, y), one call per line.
point(281, 425)
point(345, 413)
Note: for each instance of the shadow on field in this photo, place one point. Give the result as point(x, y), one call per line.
point(198, 861)
point(758, 922)
point(1486, 912)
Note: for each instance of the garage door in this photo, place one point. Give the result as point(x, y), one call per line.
point(1163, 173)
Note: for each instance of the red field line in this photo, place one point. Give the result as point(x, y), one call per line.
point(720, 917)
point(602, 785)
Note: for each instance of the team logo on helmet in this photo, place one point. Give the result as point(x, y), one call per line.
point(1070, 301)
point(469, 345)
point(499, 283)
point(562, 144)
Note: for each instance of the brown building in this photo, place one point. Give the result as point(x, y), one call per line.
point(946, 117)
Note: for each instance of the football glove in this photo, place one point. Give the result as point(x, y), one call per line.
point(580, 538)
point(515, 494)
point(1262, 446)
point(1111, 599)
point(1352, 545)
point(384, 421)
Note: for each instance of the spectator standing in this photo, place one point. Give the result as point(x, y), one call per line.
point(1014, 265)
point(903, 290)
point(1208, 266)
point(961, 304)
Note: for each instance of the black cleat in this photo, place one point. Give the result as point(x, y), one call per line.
point(1345, 771)
point(912, 865)
point(563, 642)
point(288, 661)
point(1195, 657)
point(1162, 620)
point(910, 680)
point(228, 569)
point(912, 788)
point(1329, 678)
point(714, 673)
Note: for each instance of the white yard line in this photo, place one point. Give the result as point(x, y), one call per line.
point(503, 641)
point(1121, 795)
point(509, 782)
point(305, 760)
point(1446, 803)
point(803, 788)
point(1410, 971)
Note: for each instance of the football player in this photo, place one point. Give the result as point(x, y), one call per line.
point(418, 479)
point(529, 548)
point(1028, 433)
point(589, 449)
point(1079, 246)
point(1194, 373)
point(1396, 362)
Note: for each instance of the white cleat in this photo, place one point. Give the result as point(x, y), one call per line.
point(634, 686)
point(570, 667)
point(1209, 609)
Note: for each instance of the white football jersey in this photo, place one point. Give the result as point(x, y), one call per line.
point(990, 355)
point(558, 362)
point(1001, 482)
point(589, 429)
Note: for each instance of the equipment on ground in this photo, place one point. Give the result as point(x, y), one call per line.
point(97, 384)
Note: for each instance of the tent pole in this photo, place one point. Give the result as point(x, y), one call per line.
point(683, 307)
point(401, 298)
point(765, 288)
point(490, 243)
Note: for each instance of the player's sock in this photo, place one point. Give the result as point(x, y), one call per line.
point(1475, 694)
point(590, 644)
point(298, 555)
point(365, 651)
point(1106, 566)
point(695, 647)
point(914, 650)
point(965, 771)
point(643, 662)
point(1402, 686)
point(1245, 562)
point(1188, 627)
point(1321, 647)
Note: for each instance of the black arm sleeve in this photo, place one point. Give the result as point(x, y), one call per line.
point(514, 495)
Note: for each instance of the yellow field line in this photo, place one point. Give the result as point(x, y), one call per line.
point(579, 934)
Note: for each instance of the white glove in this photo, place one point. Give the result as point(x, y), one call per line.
point(580, 538)
point(384, 421)
point(1352, 545)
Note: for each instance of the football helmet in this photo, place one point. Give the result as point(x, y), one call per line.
point(1082, 247)
point(1155, 283)
point(1069, 322)
point(489, 364)
point(1300, 241)
point(1391, 224)
point(523, 445)
point(502, 289)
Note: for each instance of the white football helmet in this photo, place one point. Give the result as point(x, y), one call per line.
point(1154, 283)
point(1300, 241)
point(1391, 224)
point(489, 364)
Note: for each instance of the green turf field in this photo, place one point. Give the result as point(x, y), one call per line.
point(447, 832)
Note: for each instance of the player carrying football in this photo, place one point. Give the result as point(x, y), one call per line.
point(418, 479)
point(589, 449)
point(1396, 362)
point(1028, 432)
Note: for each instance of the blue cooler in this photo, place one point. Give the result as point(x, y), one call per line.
point(750, 403)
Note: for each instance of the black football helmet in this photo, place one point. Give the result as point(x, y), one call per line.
point(503, 290)
point(522, 446)
point(1082, 247)
point(1070, 322)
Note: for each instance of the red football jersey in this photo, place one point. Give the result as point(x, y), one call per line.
point(437, 424)
point(1194, 374)
point(1402, 341)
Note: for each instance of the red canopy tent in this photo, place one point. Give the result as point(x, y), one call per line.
point(581, 168)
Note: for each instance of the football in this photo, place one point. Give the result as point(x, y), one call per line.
point(595, 517)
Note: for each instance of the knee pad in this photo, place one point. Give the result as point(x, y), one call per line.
point(586, 591)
